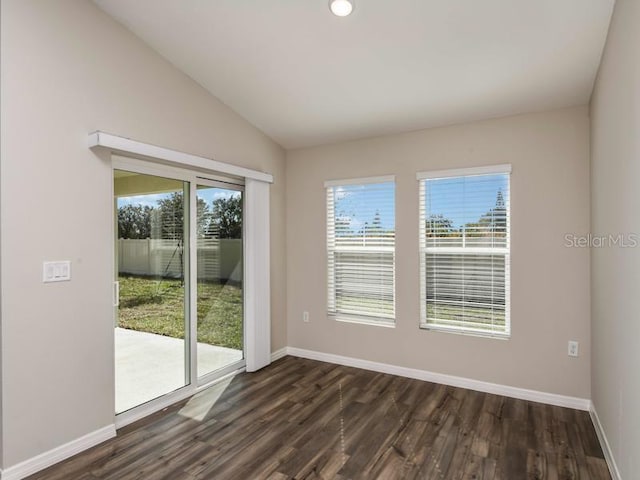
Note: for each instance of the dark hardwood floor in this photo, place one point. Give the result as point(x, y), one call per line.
point(302, 419)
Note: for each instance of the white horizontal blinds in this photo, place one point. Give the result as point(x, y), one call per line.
point(361, 250)
point(464, 246)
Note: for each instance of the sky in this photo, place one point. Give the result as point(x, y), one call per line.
point(361, 202)
point(151, 200)
point(449, 197)
point(465, 199)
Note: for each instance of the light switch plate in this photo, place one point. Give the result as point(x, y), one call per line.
point(59, 271)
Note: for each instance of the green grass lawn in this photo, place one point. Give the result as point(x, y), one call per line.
point(455, 316)
point(157, 306)
point(482, 319)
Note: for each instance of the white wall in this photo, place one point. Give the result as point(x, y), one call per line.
point(549, 282)
point(615, 207)
point(69, 69)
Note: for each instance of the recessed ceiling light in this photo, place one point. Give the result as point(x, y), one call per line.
point(341, 8)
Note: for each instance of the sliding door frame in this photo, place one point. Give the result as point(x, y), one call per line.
point(210, 377)
point(149, 167)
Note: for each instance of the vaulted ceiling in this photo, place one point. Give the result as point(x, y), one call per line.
point(306, 77)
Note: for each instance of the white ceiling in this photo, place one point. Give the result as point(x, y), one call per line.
point(306, 77)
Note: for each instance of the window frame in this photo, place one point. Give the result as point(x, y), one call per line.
point(380, 321)
point(423, 177)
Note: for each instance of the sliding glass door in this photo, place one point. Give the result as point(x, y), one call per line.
point(152, 251)
point(220, 274)
point(178, 287)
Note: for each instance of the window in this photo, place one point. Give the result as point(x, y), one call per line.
point(464, 250)
point(361, 250)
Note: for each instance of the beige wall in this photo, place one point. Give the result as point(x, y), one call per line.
point(69, 69)
point(549, 282)
point(615, 206)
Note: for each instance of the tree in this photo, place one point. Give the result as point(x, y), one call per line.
point(440, 226)
point(134, 221)
point(375, 229)
point(497, 216)
point(226, 218)
point(343, 226)
point(491, 224)
point(375, 232)
point(170, 216)
point(168, 223)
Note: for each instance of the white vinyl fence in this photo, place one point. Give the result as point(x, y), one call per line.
point(217, 259)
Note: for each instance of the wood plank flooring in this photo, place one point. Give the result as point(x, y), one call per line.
point(302, 419)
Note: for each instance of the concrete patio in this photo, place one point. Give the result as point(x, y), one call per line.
point(150, 365)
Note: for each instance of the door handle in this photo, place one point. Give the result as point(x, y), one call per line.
point(116, 294)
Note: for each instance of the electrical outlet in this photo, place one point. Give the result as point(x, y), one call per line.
point(573, 348)
point(305, 317)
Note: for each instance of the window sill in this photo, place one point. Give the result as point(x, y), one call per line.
point(381, 322)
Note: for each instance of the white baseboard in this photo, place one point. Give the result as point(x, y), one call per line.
point(505, 390)
point(55, 455)
point(278, 354)
point(604, 443)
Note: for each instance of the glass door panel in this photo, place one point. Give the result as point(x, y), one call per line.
point(220, 314)
point(152, 272)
